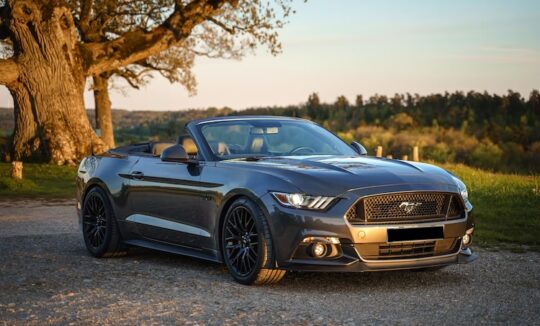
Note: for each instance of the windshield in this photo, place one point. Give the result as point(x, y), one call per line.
point(247, 138)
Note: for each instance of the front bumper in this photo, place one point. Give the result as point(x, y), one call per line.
point(356, 264)
point(360, 244)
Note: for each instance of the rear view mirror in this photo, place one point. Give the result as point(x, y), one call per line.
point(264, 130)
point(361, 150)
point(175, 153)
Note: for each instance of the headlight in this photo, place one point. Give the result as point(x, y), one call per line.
point(462, 189)
point(303, 201)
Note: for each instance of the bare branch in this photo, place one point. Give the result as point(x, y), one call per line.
point(134, 79)
point(137, 45)
point(9, 71)
point(220, 24)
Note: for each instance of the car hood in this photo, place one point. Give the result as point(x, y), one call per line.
point(333, 175)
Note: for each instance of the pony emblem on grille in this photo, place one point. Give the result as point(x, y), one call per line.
point(409, 206)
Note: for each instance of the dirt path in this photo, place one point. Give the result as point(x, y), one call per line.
point(47, 276)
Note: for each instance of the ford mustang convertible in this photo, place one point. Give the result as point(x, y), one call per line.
point(266, 195)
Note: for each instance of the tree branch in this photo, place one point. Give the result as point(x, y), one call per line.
point(9, 71)
point(222, 25)
point(86, 13)
point(132, 78)
point(138, 45)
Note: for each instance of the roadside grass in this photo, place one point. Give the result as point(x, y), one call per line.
point(506, 207)
point(39, 181)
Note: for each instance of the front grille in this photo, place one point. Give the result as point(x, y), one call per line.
point(455, 209)
point(408, 250)
point(406, 207)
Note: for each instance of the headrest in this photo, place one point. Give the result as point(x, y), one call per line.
point(189, 146)
point(257, 145)
point(157, 148)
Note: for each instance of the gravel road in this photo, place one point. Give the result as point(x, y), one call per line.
point(46, 276)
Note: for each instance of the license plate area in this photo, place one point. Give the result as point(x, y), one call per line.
point(411, 234)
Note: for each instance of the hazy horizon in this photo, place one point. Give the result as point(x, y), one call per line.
point(348, 47)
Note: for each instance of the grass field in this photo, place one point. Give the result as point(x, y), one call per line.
point(39, 181)
point(506, 206)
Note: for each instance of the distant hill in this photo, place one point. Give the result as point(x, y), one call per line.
point(121, 118)
point(132, 126)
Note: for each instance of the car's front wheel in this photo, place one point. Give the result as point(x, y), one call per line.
point(99, 228)
point(247, 245)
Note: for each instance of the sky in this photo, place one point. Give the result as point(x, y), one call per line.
point(350, 47)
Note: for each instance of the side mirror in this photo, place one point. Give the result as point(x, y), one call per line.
point(359, 148)
point(175, 153)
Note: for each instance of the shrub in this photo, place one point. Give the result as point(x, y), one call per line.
point(486, 155)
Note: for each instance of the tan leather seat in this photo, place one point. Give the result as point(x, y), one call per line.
point(189, 146)
point(157, 148)
point(223, 149)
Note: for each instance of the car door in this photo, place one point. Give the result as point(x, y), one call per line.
point(165, 201)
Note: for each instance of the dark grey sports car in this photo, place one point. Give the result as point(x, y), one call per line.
point(269, 194)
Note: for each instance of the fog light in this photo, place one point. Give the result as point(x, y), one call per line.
point(466, 239)
point(318, 249)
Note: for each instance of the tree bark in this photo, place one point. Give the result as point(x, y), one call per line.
point(50, 118)
point(27, 142)
point(103, 109)
point(9, 71)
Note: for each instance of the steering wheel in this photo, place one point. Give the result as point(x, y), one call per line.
point(309, 150)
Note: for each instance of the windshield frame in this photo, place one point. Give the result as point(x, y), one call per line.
point(210, 156)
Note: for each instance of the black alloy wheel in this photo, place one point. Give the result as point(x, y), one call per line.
point(247, 245)
point(242, 241)
point(100, 232)
point(94, 221)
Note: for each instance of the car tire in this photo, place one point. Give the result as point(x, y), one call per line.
point(247, 246)
point(100, 230)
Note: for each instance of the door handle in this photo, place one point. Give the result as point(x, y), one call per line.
point(137, 175)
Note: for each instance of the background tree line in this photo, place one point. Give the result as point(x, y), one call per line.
point(491, 131)
point(498, 132)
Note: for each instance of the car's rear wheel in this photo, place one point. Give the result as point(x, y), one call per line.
point(100, 231)
point(247, 245)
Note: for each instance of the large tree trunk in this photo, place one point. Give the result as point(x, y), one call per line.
point(51, 122)
point(103, 109)
point(26, 142)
